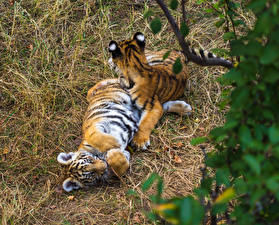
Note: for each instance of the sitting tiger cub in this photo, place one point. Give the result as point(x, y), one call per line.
point(149, 84)
point(109, 125)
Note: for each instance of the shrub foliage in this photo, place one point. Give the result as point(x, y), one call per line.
point(244, 188)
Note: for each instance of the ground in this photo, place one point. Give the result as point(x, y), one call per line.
point(52, 52)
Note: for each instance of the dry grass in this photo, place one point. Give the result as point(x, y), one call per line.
point(52, 52)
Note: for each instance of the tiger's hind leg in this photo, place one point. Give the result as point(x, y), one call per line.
point(179, 107)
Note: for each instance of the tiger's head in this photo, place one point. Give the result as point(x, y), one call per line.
point(84, 168)
point(128, 56)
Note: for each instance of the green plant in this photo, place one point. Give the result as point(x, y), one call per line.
point(244, 188)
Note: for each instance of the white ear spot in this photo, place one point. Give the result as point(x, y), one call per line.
point(112, 47)
point(70, 184)
point(65, 158)
point(140, 37)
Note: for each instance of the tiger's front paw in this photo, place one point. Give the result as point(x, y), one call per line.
point(141, 141)
point(117, 161)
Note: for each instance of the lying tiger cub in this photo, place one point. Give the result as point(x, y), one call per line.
point(149, 84)
point(110, 122)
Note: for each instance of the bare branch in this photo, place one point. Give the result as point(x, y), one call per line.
point(183, 11)
point(185, 46)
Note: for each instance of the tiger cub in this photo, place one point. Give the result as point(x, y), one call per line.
point(110, 122)
point(149, 84)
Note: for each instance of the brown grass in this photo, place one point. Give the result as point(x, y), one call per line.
point(52, 52)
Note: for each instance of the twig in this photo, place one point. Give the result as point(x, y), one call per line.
point(202, 200)
point(183, 11)
point(185, 46)
point(233, 26)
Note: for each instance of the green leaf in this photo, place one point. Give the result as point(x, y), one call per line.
point(253, 163)
point(228, 36)
point(198, 140)
point(186, 211)
point(219, 208)
point(240, 186)
point(239, 22)
point(200, 2)
point(222, 177)
point(177, 66)
point(184, 29)
point(245, 135)
point(271, 75)
point(273, 134)
point(240, 97)
point(220, 22)
point(218, 131)
point(156, 25)
point(173, 4)
point(209, 10)
point(234, 76)
point(148, 13)
point(257, 6)
point(272, 184)
point(166, 55)
point(270, 54)
point(231, 124)
point(150, 180)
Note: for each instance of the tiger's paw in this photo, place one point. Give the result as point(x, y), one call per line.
point(186, 109)
point(179, 107)
point(141, 142)
point(118, 161)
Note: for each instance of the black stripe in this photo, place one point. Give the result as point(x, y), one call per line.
point(156, 62)
point(155, 90)
point(145, 104)
point(129, 128)
point(134, 48)
point(131, 82)
point(178, 88)
point(124, 113)
point(202, 53)
point(163, 86)
point(172, 78)
point(122, 137)
point(99, 112)
point(123, 127)
point(146, 67)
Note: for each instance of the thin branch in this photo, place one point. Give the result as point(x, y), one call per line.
point(185, 46)
point(232, 22)
point(183, 11)
point(207, 206)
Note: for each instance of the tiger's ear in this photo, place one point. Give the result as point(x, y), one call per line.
point(71, 184)
point(139, 37)
point(114, 49)
point(65, 158)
